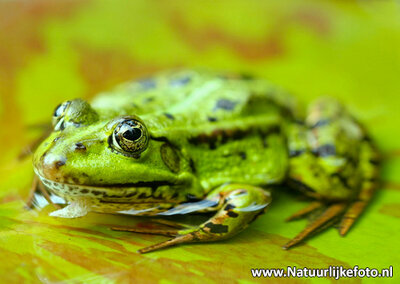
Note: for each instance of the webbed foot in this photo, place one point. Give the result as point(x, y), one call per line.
point(345, 214)
point(324, 220)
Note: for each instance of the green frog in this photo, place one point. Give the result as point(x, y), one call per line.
point(187, 141)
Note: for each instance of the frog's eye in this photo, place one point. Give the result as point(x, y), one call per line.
point(130, 136)
point(58, 116)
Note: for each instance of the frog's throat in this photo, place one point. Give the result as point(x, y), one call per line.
point(118, 193)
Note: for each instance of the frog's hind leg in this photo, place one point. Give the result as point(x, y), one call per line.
point(333, 161)
point(237, 206)
point(369, 162)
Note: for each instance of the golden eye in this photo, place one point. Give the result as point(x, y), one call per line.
point(130, 136)
point(58, 116)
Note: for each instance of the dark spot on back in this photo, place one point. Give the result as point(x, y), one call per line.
point(180, 81)
point(242, 155)
point(147, 83)
point(212, 119)
point(84, 191)
point(225, 104)
point(170, 116)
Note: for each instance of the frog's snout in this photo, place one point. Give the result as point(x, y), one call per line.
point(50, 167)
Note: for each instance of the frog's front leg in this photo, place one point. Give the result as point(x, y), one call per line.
point(238, 206)
point(76, 208)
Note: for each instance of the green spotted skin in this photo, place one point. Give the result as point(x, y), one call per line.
point(193, 141)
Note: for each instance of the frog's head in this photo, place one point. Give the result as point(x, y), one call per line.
point(109, 156)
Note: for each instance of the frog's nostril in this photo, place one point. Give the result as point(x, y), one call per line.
point(58, 164)
point(51, 166)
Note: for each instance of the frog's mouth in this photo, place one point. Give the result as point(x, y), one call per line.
point(140, 192)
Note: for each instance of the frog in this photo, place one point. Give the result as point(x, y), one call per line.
point(199, 141)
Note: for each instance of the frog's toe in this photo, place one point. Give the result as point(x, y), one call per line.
point(187, 238)
point(179, 237)
point(325, 220)
point(172, 224)
point(152, 231)
point(357, 207)
point(313, 206)
point(350, 216)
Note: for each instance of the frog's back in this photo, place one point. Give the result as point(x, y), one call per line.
point(230, 127)
point(185, 91)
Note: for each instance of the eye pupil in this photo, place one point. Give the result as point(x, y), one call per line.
point(130, 137)
point(132, 134)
